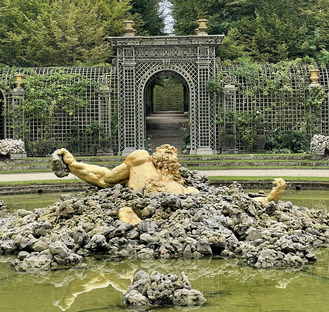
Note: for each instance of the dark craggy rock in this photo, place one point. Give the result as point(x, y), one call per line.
point(147, 291)
point(2, 205)
point(58, 166)
point(222, 221)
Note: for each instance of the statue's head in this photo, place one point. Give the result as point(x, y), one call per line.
point(165, 158)
point(167, 149)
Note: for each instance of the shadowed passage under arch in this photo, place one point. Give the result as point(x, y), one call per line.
point(166, 100)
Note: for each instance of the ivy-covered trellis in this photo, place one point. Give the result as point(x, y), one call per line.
point(276, 107)
point(53, 107)
point(258, 107)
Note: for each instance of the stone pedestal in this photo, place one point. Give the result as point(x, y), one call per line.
point(127, 151)
point(204, 151)
point(18, 156)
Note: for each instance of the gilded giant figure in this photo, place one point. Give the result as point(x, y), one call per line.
point(140, 171)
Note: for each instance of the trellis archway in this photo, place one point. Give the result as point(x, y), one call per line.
point(138, 58)
point(169, 77)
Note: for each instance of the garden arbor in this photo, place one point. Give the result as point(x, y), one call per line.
point(231, 108)
point(139, 59)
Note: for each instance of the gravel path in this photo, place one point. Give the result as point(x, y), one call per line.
point(323, 173)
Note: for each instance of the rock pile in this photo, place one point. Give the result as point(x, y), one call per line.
point(222, 221)
point(148, 291)
point(319, 144)
point(9, 146)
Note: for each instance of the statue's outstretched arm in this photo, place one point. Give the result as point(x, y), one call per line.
point(93, 174)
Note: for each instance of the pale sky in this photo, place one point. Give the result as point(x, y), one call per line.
point(165, 10)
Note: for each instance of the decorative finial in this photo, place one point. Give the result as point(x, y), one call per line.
point(314, 77)
point(129, 30)
point(202, 29)
point(18, 81)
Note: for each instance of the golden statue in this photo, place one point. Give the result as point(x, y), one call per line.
point(276, 192)
point(140, 171)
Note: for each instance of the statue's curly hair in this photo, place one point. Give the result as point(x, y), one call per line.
point(165, 161)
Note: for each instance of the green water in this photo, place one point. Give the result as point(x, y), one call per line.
point(310, 199)
point(227, 284)
point(29, 201)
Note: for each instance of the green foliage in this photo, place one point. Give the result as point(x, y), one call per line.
point(252, 76)
point(255, 82)
point(245, 127)
point(168, 94)
point(48, 97)
point(69, 32)
point(42, 147)
point(7, 80)
point(248, 125)
point(316, 97)
point(95, 133)
point(215, 86)
point(59, 32)
point(147, 18)
point(52, 92)
point(186, 14)
point(266, 31)
point(315, 100)
point(293, 141)
point(92, 135)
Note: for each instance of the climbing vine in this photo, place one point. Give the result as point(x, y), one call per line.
point(283, 90)
point(54, 92)
point(249, 127)
point(315, 100)
point(48, 96)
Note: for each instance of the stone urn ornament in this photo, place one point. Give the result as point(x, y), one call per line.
point(314, 77)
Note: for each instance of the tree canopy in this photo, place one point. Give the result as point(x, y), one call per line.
point(151, 21)
point(73, 32)
point(266, 31)
point(68, 32)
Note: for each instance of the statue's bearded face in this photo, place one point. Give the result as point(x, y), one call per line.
point(165, 158)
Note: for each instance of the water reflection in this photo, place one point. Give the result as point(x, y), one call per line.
point(228, 285)
point(68, 286)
